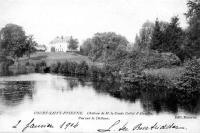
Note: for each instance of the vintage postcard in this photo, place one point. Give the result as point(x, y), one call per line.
point(99, 66)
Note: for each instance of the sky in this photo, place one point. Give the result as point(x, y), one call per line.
point(47, 19)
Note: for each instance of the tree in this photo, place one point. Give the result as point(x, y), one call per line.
point(169, 37)
point(193, 34)
point(30, 46)
point(73, 43)
point(156, 41)
point(145, 36)
point(108, 46)
point(86, 47)
point(190, 79)
point(173, 36)
point(14, 42)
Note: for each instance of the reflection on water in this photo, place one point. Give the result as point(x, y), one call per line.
point(44, 89)
point(13, 92)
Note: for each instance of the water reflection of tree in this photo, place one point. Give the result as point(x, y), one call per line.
point(159, 100)
point(189, 101)
point(14, 92)
point(153, 99)
point(4, 71)
point(107, 87)
point(73, 83)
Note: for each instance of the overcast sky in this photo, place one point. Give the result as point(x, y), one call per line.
point(46, 19)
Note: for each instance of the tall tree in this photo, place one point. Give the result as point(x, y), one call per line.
point(157, 36)
point(73, 43)
point(173, 37)
point(193, 17)
point(145, 36)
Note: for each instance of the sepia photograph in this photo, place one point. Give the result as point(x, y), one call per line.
point(99, 66)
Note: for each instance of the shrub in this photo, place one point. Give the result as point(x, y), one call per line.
point(40, 66)
point(55, 67)
point(190, 79)
point(82, 68)
point(138, 61)
point(157, 82)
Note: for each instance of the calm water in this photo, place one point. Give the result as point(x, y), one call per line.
point(21, 95)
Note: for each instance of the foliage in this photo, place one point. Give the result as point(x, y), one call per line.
point(169, 37)
point(144, 39)
point(105, 46)
point(157, 82)
point(170, 73)
point(73, 43)
point(156, 42)
point(137, 61)
point(30, 45)
point(173, 36)
point(14, 42)
point(86, 47)
point(40, 67)
point(190, 79)
point(193, 32)
point(83, 69)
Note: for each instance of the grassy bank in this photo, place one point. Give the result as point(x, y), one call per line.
point(54, 57)
point(169, 73)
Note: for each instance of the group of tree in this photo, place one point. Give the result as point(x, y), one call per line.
point(170, 37)
point(14, 43)
point(105, 46)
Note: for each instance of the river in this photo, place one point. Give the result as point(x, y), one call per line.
point(22, 95)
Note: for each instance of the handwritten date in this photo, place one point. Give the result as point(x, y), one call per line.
point(33, 125)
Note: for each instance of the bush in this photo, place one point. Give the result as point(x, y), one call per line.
point(70, 68)
point(157, 82)
point(138, 61)
point(190, 79)
point(55, 67)
point(40, 67)
point(82, 69)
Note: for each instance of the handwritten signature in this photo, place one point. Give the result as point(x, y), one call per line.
point(115, 127)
